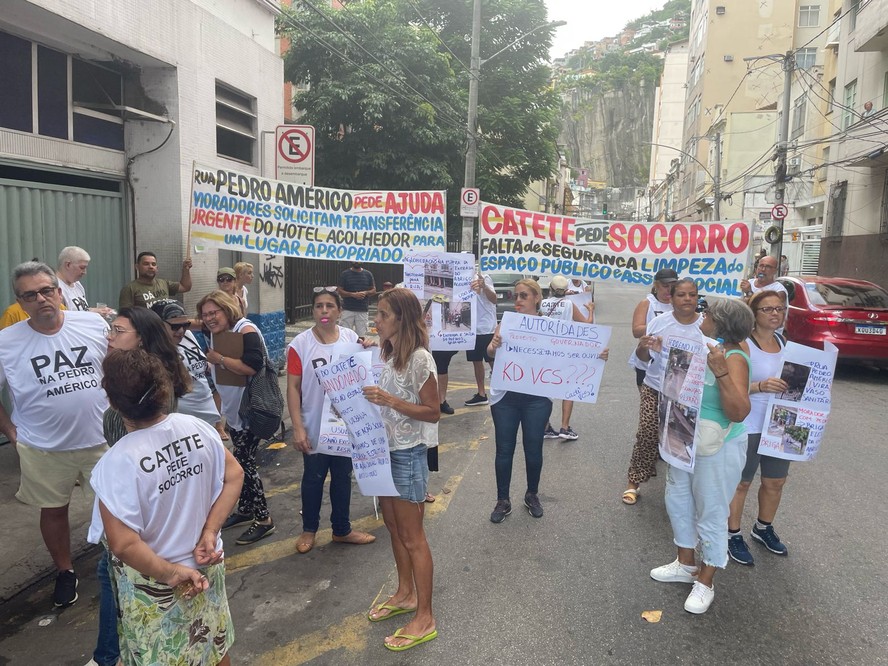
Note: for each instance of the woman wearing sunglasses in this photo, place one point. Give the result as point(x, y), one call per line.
point(510, 410)
point(766, 352)
point(226, 279)
point(322, 344)
point(220, 313)
point(200, 401)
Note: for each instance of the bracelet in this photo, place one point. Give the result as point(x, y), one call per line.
point(720, 376)
point(222, 362)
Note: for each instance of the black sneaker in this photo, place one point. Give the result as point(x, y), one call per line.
point(254, 533)
point(65, 592)
point(532, 502)
point(502, 509)
point(236, 519)
point(446, 408)
point(477, 400)
point(769, 539)
point(738, 551)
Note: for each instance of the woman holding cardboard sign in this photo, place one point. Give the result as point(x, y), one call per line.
point(698, 502)
point(320, 345)
point(221, 314)
point(408, 398)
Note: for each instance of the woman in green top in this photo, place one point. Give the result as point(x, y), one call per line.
point(698, 503)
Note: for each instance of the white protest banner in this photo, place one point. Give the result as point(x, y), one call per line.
point(248, 213)
point(681, 394)
point(550, 357)
point(333, 437)
point(796, 418)
point(343, 382)
point(442, 281)
point(520, 241)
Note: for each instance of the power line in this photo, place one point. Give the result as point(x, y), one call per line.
point(437, 36)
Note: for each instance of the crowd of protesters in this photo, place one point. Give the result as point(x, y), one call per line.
point(166, 403)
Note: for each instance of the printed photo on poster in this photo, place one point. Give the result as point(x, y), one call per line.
point(679, 440)
point(438, 280)
point(456, 316)
point(796, 377)
point(783, 425)
point(442, 282)
point(677, 365)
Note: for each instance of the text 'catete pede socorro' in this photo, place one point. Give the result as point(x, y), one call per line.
point(713, 254)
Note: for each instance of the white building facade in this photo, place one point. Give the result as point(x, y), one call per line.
point(107, 105)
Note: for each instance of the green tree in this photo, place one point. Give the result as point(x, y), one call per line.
point(387, 89)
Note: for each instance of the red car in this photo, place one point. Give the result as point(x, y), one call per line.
point(851, 314)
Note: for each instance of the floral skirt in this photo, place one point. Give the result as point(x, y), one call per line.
point(159, 628)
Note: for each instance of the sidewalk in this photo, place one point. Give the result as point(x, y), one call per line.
point(24, 560)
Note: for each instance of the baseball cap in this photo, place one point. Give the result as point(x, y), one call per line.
point(666, 276)
point(169, 310)
point(558, 283)
point(226, 271)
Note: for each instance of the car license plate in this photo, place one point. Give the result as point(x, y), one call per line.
point(499, 295)
point(870, 330)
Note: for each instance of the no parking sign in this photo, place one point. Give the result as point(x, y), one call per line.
point(294, 157)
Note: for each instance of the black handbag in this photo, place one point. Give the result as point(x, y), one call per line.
point(262, 404)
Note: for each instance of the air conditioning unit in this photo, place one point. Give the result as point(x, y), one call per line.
point(729, 58)
point(794, 161)
point(720, 10)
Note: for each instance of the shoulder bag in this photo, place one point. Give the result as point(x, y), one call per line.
point(262, 404)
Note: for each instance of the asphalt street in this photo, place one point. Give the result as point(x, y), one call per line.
point(569, 588)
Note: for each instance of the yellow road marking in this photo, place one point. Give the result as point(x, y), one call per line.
point(293, 487)
point(350, 634)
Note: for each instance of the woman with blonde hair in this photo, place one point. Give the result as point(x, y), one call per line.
point(510, 410)
point(221, 313)
point(407, 395)
point(243, 271)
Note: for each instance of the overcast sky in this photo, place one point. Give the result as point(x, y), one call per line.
point(590, 20)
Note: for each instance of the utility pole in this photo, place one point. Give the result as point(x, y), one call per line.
point(782, 148)
point(468, 223)
point(716, 182)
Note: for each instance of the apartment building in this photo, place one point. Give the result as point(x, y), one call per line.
point(719, 82)
point(106, 106)
point(855, 233)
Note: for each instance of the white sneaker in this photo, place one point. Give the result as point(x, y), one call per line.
point(674, 572)
point(700, 598)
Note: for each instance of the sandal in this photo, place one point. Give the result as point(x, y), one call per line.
point(305, 542)
point(630, 496)
point(429, 498)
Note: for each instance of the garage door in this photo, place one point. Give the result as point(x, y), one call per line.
point(39, 219)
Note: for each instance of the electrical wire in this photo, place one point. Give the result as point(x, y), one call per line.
point(437, 36)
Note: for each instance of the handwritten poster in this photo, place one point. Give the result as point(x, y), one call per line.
point(550, 357)
point(795, 419)
point(714, 254)
point(248, 213)
point(442, 283)
point(684, 378)
point(343, 381)
point(333, 436)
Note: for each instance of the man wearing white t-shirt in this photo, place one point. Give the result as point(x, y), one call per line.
point(73, 262)
point(52, 363)
point(766, 279)
point(486, 325)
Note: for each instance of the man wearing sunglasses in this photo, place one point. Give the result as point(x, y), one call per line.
point(52, 363)
point(356, 287)
point(147, 288)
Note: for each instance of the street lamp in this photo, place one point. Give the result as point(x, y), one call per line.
point(468, 223)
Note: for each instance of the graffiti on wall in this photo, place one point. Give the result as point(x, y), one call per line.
point(272, 272)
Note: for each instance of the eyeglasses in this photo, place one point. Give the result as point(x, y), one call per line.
point(522, 295)
point(209, 314)
point(179, 327)
point(31, 296)
point(329, 290)
point(771, 309)
point(224, 278)
point(114, 331)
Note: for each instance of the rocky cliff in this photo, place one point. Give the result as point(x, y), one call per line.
point(606, 132)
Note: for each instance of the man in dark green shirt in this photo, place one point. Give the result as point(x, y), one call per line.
point(148, 288)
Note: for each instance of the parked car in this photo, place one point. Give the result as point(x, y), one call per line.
point(851, 314)
point(504, 285)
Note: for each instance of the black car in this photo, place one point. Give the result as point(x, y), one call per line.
point(504, 285)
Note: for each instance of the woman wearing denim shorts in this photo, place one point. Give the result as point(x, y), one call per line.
point(407, 395)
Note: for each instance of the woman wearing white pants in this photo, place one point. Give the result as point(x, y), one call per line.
point(698, 503)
